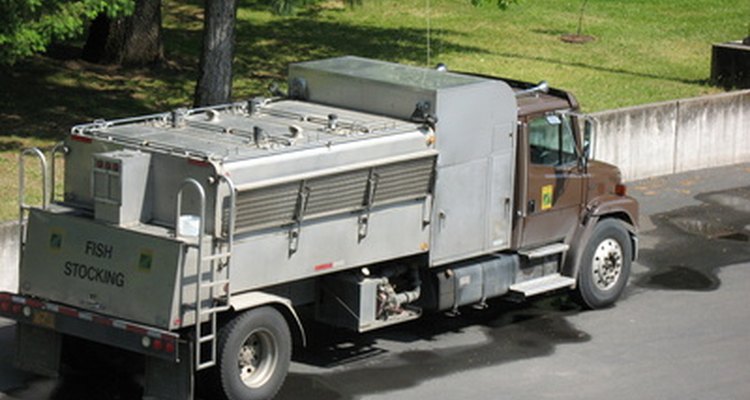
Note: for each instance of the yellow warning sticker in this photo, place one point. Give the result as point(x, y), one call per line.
point(547, 197)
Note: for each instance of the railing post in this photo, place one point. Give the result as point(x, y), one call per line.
point(22, 179)
point(22, 206)
point(62, 149)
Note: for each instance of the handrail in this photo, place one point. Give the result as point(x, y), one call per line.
point(22, 206)
point(202, 197)
point(33, 151)
point(60, 147)
point(164, 116)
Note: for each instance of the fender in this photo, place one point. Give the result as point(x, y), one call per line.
point(624, 208)
point(246, 301)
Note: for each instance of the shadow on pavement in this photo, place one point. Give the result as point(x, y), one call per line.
point(10, 378)
point(359, 364)
point(694, 242)
point(512, 332)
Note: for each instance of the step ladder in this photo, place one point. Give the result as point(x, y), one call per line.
point(546, 283)
point(541, 285)
point(211, 257)
point(544, 251)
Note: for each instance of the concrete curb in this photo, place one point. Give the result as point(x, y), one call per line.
point(10, 236)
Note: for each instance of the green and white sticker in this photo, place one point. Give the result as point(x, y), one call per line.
point(547, 199)
point(145, 260)
point(55, 239)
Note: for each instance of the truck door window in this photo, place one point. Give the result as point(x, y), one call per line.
point(551, 141)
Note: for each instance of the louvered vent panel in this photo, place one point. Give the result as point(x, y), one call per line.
point(409, 179)
point(332, 194)
point(270, 206)
point(336, 193)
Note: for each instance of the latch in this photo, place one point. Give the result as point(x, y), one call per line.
point(364, 218)
point(422, 114)
point(299, 213)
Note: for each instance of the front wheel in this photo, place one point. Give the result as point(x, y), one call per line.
point(605, 265)
point(254, 355)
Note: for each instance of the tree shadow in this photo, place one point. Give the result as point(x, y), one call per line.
point(46, 95)
point(41, 97)
point(593, 67)
point(264, 50)
point(550, 31)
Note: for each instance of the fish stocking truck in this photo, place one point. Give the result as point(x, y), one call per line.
point(369, 194)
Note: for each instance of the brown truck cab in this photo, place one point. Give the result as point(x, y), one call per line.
point(563, 195)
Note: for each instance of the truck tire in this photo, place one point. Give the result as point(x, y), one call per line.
point(254, 355)
point(605, 265)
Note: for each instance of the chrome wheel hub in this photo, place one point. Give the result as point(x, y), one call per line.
point(607, 264)
point(257, 358)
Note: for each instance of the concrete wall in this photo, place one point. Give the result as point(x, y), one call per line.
point(676, 136)
point(9, 241)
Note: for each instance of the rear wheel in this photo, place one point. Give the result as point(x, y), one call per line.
point(254, 355)
point(605, 265)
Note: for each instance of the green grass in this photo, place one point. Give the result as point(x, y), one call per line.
point(645, 51)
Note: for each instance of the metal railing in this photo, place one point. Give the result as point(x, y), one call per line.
point(60, 148)
point(22, 179)
point(23, 208)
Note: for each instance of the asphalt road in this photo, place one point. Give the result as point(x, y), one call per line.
point(681, 331)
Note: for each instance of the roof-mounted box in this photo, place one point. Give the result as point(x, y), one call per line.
point(119, 186)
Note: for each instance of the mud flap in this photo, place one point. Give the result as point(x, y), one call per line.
point(38, 350)
point(167, 380)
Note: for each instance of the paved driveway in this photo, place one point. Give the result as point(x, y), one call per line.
point(682, 330)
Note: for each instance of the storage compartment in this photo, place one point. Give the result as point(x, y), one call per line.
point(474, 132)
point(119, 186)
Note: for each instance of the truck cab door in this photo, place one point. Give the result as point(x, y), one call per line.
point(551, 190)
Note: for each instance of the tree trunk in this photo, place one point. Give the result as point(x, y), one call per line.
point(580, 18)
point(214, 84)
point(132, 40)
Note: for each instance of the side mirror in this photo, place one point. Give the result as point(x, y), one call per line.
point(589, 135)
